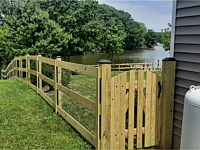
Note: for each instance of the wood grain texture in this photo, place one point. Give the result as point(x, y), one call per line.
point(117, 92)
point(55, 86)
point(47, 60)
point(131, 110)
point(40, 71)
point(148, 111)
point(106, 106)
point(84, 69)
point(140, 108)
point(158, 112)
point(123, 79)
point(167, 105)
point(153, 109)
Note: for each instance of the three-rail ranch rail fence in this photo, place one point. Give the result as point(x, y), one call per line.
point(133, 109)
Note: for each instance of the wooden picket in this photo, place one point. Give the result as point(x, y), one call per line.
point(131, 110)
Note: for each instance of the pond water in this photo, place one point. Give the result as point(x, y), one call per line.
point(133, 56)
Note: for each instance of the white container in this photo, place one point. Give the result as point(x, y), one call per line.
point(190, 136)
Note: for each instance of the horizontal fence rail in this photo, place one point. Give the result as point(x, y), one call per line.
point(154, 66)
point(137, 66)
point(131, 108)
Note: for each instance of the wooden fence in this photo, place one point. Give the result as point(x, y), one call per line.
point(132, 109)
point(153, 66)
point(137, 66)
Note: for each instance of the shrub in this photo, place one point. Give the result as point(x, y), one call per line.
point(66, 74)
point(48, 71)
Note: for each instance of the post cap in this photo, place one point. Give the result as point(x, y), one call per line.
point(58, 58)
point(169, 59)
point(104, 61)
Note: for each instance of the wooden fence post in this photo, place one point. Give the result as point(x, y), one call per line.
point(20, 64)
point(105, 103)
point(57, 79)
point(40, 72)
point(167, 102)
point(37, 71)
point(59, 73)
point(15, 67)
point(28, 69)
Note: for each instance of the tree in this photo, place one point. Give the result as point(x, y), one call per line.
point(90, 28)
point(33, 32)
point(5, 56)
point(135, 31)
point(158, 37)
point(59, 27)
point(166, 38)
point(114, 38)
point(150, 39)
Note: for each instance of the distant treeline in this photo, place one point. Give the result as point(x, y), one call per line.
point(68, 27)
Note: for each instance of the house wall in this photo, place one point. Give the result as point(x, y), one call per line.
point(187, 53)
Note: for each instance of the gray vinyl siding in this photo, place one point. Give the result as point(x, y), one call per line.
point(187, 54)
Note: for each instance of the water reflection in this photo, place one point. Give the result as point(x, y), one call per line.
point(136, 56)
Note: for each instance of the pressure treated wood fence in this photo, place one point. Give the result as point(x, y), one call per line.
point(153, 66)
point(133, 109)
point(137, 66)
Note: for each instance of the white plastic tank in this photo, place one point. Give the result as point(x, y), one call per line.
point(190, 136)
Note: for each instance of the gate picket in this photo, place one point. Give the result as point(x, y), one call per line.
point(153, 109)
point(131, 110)
point(116, 123)
point(158, 112)
point(140, 107)
point(123, 77)
point(148, 109)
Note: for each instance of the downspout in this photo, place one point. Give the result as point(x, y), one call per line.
point(173, 28)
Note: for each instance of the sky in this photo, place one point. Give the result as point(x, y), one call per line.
point(155, 14)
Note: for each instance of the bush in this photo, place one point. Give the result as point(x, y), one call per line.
point(48, 71)
point(66, 74)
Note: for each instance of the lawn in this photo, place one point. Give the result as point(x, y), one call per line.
point(28, 122)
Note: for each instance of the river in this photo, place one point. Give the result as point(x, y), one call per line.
point(133, 56)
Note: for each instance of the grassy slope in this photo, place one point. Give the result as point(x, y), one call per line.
point(26, 121)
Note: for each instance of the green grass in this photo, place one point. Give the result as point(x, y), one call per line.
point(85, 86)
point(28, 122)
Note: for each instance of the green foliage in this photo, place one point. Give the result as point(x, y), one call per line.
point(48, 71)
point(65, 77)
point(166, 39)
point(150, 39)
point(66, 28)
point(158, 37)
